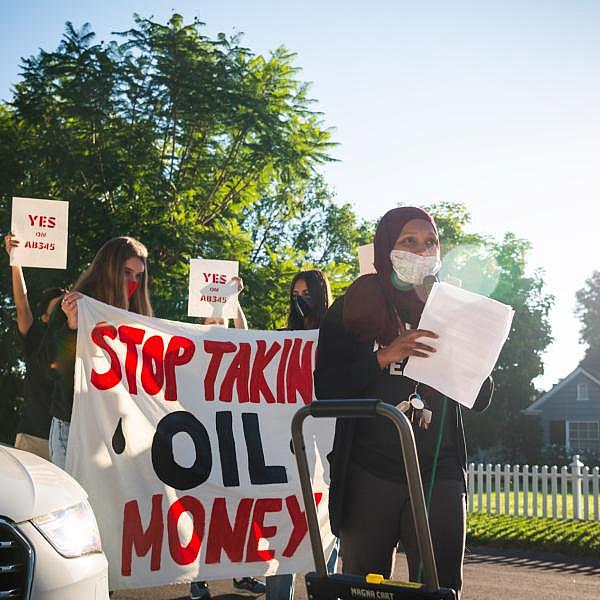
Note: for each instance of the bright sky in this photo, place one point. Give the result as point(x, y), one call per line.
point(494, 104)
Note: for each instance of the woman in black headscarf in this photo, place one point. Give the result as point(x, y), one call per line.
point(364, 342)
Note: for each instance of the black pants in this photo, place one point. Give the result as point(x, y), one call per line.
point(377, 515)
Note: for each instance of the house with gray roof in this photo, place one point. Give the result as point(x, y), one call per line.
point(569, 413)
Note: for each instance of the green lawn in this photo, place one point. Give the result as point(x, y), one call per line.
point(521, 501)
point(565, 536)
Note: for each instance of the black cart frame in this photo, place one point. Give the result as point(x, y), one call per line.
point(321, 586)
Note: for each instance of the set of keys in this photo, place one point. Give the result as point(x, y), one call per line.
point(416, 407)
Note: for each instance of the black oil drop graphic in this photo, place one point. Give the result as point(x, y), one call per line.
point(118, 439)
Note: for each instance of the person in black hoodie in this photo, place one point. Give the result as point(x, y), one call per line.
point(34, 424)
point(364, 341)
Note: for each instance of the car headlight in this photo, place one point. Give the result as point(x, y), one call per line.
point(72, 531)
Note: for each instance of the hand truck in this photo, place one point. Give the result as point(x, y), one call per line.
point(320, 585)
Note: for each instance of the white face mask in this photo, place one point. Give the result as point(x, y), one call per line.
point(413, 268)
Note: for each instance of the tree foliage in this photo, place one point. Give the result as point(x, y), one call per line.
point(587, 311)
point(503, 425)
point(174, 138)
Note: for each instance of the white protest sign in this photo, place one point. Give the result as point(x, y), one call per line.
point(182, 442)
point(366, 257)
point(212, 293)
point(41, 227)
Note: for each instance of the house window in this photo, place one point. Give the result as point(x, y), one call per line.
point(584, 435)
point(557, 433)
point(582, 391)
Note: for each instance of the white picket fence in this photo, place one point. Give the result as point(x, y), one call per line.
point(571, 492)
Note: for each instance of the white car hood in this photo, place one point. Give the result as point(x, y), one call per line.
point(31, 486)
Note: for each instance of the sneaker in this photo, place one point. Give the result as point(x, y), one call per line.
point(250, 584)
point(199, 591)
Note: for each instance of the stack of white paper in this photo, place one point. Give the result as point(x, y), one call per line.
point(472, 330)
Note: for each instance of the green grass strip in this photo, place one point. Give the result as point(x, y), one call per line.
point(564, 536)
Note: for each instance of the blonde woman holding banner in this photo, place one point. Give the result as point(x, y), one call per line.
point(118, 275)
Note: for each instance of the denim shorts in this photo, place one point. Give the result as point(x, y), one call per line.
point(59, 436)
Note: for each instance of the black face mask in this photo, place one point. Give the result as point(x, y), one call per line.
point(303, 306)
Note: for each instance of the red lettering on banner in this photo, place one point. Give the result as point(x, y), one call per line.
point(217, 349)
point(299, 522)
point(156, 368)
point(238, 373)
point(281, 371)
point(134, 536)
point(299, 372)
point(258, 383)
point(180, 351)
point(258, 530)
point(184, 555)
point(105, 381)
point(131, 337)
point(246, 373)
point(221, 536)
point(153, 369)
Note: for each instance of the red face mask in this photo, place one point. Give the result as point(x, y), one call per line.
point(131, 287)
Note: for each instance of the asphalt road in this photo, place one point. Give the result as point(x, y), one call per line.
point(490, 574)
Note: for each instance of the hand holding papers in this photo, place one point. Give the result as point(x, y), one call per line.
point(472, 330)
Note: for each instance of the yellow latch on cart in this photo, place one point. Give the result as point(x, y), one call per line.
point(378, 579)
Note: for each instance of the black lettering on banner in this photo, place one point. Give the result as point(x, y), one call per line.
point(260, 474)
point(229, 465)
point(163, 460)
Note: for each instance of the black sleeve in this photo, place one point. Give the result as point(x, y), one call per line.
point(61, 349)
point(344, 366)
point(32, 339)
point(484, 397)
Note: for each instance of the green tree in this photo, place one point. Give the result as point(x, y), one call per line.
point(587, 311)
point(164, 134)
point(159, 136)
point(503, 426)
point(293, 230)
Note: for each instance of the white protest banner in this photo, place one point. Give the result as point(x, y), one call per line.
point(180, 434)
point(366, 257)
point(41, 226)
point(212, 293)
